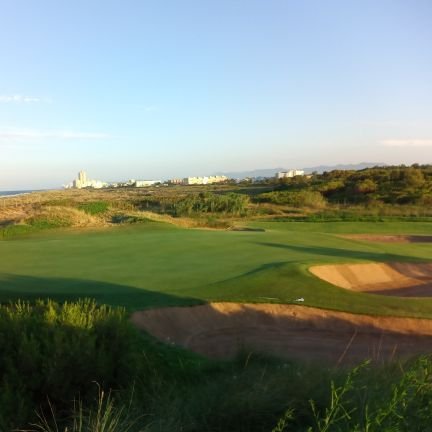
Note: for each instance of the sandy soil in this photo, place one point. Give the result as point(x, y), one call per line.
point(391, 238)
point(221, 330)
point(398, 279)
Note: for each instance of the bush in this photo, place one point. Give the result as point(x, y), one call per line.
point(94, 207)
point(231, 203)
point(303, 198)
point(53, 353)
point(366, 186)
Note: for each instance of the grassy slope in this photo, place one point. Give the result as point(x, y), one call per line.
point(156, 264)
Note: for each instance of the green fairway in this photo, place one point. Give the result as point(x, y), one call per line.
point(155, 264)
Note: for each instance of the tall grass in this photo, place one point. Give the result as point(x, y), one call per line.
point(262, 396)
point(105, 416)
point(52, 354)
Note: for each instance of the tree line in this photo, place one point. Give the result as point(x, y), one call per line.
point(389, 185)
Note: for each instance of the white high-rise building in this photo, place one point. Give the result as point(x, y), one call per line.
point(83, 182)
point(289, 174)
point(82, 177)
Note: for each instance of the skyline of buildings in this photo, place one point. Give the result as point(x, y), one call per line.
point(82, 181)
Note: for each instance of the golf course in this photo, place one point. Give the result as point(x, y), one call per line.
point(238, 323)
point(216, 216)
point(156, 264)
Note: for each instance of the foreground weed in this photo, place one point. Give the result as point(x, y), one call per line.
point(284, 421)
point(106, 417)
point(338, 412)
point(410, 404)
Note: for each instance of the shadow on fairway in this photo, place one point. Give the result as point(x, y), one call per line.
point(15, 287)
point(257, 270)
point(343, 253)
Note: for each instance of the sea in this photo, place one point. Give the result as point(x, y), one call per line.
point(5, 194)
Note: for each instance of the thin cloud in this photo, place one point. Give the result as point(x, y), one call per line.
point(407, 143)
point(151, 108)
point(394, 124)
point(8, 135)
point(18, 98)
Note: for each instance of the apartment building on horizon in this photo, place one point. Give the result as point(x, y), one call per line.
point(146, 183)
point(289, 174)
point(204, 180)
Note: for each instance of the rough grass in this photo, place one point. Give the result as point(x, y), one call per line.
point(185, 222)
point(48, 217)
point(80, 367)
point(161, 388)
point(95, 208)
point(65, 217)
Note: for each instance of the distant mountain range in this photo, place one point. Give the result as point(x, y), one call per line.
point(270, 172)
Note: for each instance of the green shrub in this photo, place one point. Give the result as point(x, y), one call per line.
point(53, 353)
point(94, 207)
point(206, 202)
point(304, 198)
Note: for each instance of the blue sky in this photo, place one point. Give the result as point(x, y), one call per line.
point(160, 89)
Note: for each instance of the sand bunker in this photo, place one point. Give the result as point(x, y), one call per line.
point(221, 330)
point(391, 238)
point(398, 279)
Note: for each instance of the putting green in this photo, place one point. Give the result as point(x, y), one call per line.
point(155, 264)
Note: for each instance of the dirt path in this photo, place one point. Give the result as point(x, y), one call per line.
point(398, 279)
point(391, 238)
point(221, 330)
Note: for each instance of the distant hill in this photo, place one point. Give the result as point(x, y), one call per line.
point(266, 172)
point(270, 172)
point(362, 165)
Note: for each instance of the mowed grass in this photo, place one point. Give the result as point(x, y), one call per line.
point(156, 264)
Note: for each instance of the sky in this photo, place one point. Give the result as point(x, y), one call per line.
point(161, 89)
